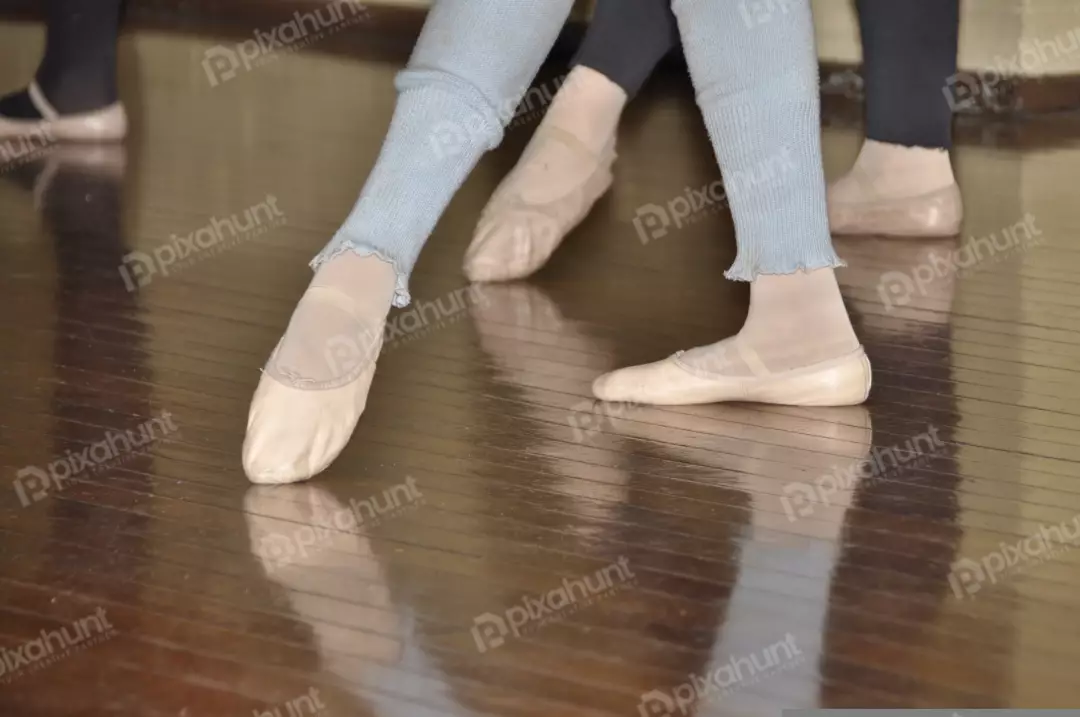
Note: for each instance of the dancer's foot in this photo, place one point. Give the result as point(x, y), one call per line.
point(315, 385)
point(73, 95)
point(898, 191)
point(796, 348)
point(564, 170)
point(31, 114)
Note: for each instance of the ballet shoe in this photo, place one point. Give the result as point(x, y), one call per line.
point(844, 381)
point(516, 235)
point(895, 190)
point(104, 125)
point(939, 213)
point(296, 428)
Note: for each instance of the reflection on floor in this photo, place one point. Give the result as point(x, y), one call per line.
point(492, 542)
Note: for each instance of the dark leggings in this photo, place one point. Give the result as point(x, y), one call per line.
point(627, 39)
point(909, 52)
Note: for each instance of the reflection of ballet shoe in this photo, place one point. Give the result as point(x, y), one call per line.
point(804, 466)
point(900, 282)
point(104, 125)
point(314, 547)
point(108, 161)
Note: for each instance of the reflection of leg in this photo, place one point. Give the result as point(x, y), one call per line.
point(511, 320)
point(470, 63)
point(791, 544)
point(902, 183)
point(783, 588)
point(757, 87)
point(567, 165)
point(75, 85)
point(310, 545)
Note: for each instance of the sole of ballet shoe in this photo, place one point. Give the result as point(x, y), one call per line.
point(843, 381)
point(108, 124)
point(935, 214)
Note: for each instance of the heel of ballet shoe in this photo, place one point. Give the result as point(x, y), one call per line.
point(936, 214)
point(841, 382)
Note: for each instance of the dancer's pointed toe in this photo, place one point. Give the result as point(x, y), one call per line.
point(294, 434)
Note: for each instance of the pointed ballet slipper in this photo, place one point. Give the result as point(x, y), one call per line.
point(104, 125)
point(294, 434)
point(295, 431)
point(939, 213)
point(843, 381)
point(515, 237)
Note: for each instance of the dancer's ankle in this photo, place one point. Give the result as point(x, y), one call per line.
point(902, 171)
point(589, 106)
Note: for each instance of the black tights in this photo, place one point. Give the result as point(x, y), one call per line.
point(909, 52)
point(78, 72)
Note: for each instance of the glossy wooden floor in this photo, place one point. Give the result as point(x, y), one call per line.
point(485, 479)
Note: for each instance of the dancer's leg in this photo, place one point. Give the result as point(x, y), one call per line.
point(567, 165)
point(902, 183)
point(473, 58)
point(756, 80)
point(77, 75)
